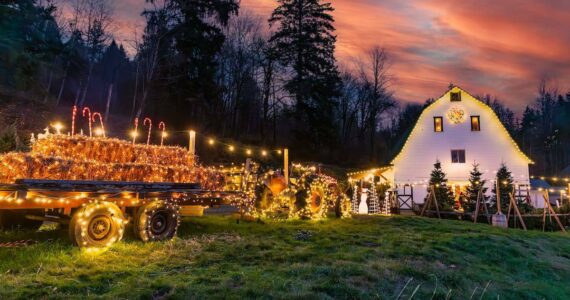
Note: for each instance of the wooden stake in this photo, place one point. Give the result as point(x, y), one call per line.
point(516, 208)
point(497, 184)
point(552, 213)
point(431, 198)
point(436, 205)
point(477, 206)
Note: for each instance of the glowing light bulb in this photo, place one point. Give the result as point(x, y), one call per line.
point(134, 133)
point(99, 131)
point(211, 141)
point(279, 152)
point(164, 134)
point(248, 152)
point(231, 148)
point(58, 127)
point(263, 153)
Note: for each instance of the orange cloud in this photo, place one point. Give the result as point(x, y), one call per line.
point(486, 46)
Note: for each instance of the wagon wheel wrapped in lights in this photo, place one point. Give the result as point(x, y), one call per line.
point(97, 225)
point(157, 221)
point(312, 199)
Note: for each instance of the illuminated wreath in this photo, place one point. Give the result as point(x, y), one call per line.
point(456, 115)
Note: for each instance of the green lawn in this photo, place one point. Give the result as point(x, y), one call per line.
point(364, 257)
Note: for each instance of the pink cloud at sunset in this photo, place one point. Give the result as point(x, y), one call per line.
point(498, 47)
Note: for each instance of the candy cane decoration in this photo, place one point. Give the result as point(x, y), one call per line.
point(149, 129)
point(86, 109)
point(73, 114)
point(135, 131)
point(100, 120)
point(162, 127)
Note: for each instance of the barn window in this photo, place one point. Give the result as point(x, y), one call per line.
point(438, 124)
point(456, 96)
point(475, 123)
point(458, 156)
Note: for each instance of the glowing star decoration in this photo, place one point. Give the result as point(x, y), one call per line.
point(101, 130)
point(88, 111)
point(163, 134)
point(149, 122)
point(456, 115)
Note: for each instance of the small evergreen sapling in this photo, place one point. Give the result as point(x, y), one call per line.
point(442, 192)
point(472, 191)
point(505, 179)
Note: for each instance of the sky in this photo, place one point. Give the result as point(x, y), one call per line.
point(502, 48)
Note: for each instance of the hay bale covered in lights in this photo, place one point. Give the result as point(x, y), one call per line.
point(110, 150)
point(59, 157)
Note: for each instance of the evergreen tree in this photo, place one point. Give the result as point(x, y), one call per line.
point(476, 184)
point(505, 179)
point(439, 182)
point(29, 37)
point(304, 41)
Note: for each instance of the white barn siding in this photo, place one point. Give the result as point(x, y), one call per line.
point(489, 147)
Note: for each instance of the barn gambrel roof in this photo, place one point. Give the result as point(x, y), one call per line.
point(458, 89)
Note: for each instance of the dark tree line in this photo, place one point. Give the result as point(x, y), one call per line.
point(215, 67)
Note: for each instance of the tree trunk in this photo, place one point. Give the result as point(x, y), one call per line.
point(61, 90)
point(78, 94)
point(141, 106)
point(49, 86)
point(108, 105)
point(86, 86)
point(136, 91)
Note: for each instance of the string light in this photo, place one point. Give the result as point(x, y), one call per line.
point(263, 153)
point(231, 148)
point(248, 151)
point(211, 141)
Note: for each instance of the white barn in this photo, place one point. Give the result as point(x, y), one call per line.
point(458, 130)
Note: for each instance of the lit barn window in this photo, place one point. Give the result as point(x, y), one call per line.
point(458, 156)
point(475, 123)
point(456, 96)
point(438, 124)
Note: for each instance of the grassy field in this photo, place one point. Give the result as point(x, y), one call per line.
point(364, 257)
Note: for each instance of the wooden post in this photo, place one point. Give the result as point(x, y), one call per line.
point(286, 166)
point(426, 204)
point(498, 190)
point(435, 201)
point(431, 198)
point(516, 208)
point(477, 206)
point(552, 213)
point(499, 219)
point(192, 143)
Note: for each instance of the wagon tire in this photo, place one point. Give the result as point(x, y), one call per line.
point(156, 221)
point(97, 225)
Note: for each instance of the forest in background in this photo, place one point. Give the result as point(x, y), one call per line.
point(230, 74)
